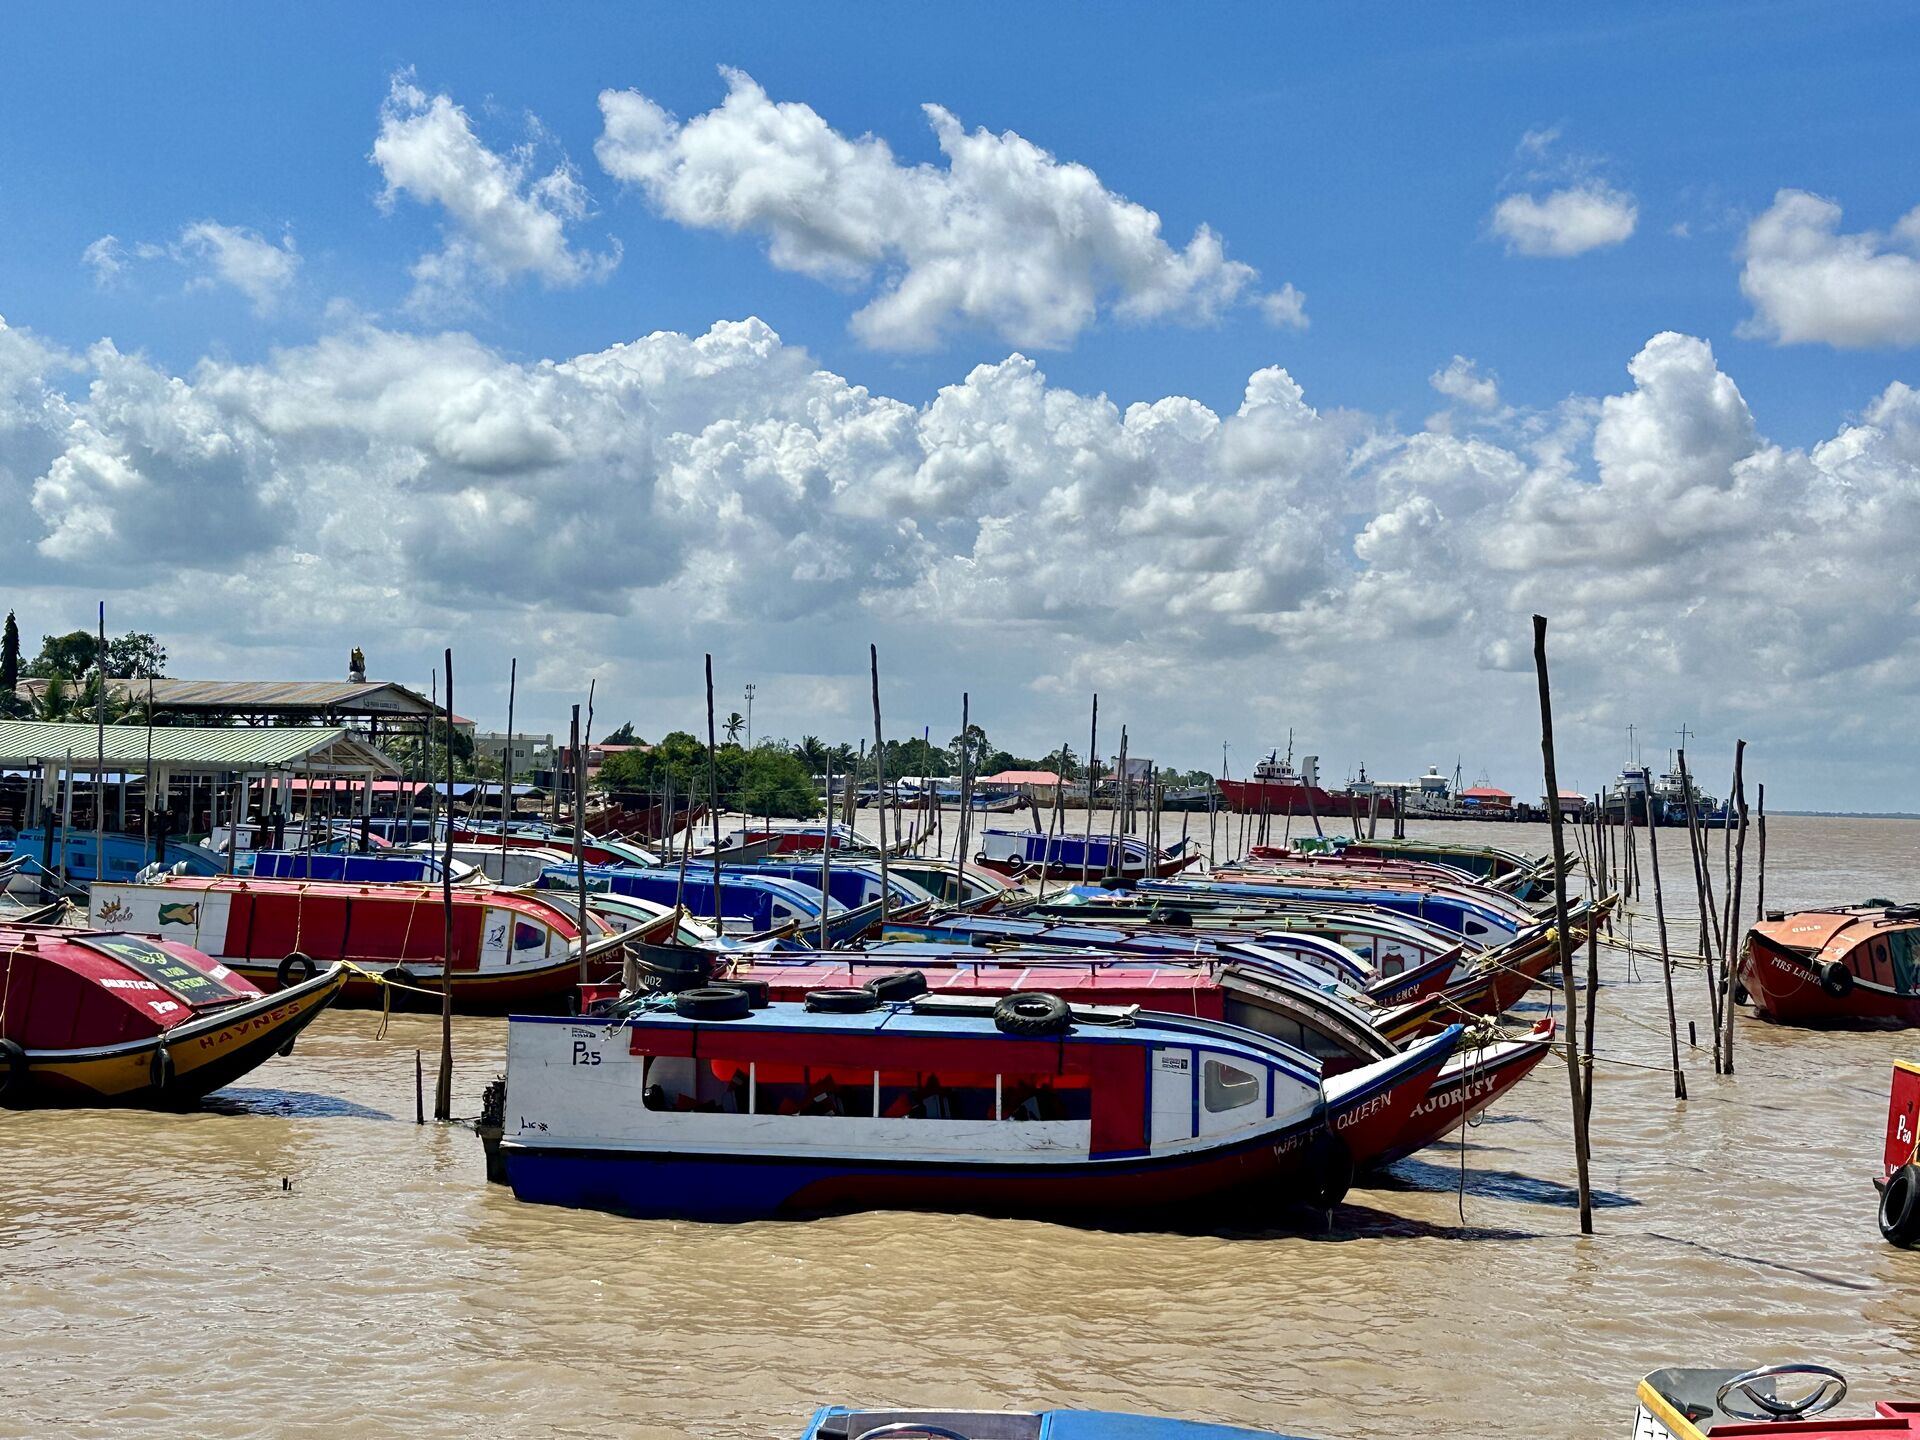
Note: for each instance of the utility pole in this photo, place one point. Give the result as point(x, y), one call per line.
point(751, 687)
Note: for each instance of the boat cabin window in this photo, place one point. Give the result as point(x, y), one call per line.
point(1227, 1087)
point(675, 1084)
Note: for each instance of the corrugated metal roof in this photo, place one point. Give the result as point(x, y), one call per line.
point(368, 697)
point(256, 747)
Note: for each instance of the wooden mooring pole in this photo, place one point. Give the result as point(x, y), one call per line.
point(1666, 959)
point(1703, 894)
point(1735, 927)
point(1575, 1080)
point(443, 1085)
point(880, 760)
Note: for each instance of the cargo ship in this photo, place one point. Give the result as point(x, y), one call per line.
point(1276, 788)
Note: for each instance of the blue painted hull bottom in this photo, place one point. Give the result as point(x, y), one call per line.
point(1300, 1165)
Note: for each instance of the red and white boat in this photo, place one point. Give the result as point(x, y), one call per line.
point(1899, 1182)
point(512, 949)
point(1338, 1035)
point(699, 1105)
point(1854, 964)
point(1790, 1401)
point(101, 1017)
point(1276, 788)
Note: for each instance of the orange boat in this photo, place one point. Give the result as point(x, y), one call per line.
point(95, 1017)
point(1853, 964)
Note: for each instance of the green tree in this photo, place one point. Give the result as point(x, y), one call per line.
point(733, 725)
point(10, 655)
point(136, 656)
point(623, 736)
point(775, 781)
point(10, 701)
point(66, 657)
point(813, 754)
point(969, 750)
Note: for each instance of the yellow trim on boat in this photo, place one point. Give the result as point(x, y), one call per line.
point(1661, 1409)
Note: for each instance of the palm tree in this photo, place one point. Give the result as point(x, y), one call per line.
point(813, 753)
point(734, 724)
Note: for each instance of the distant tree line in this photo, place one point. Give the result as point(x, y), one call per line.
point(70, 666)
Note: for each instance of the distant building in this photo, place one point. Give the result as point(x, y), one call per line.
point(530, 752)
point(1037, 785)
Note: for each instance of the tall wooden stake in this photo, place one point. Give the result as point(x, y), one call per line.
point(443, 1084)
point(1735, 929)
point(100, 759)
point(1666, 959)
point(713, 796)
point(880, 759)
point(1703, 892)
point(1760, 880)
point(578, 754)
point(826, 853)
point(1574, 1077)
point(966, 800)
point(506, 762)
point(1093, 749)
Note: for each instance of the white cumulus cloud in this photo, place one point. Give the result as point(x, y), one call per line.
point(624, 509)
point(1004, 237)
point(503, 220)
point(212, 254)
point(1565, 222)
point(1462, 380)
point(1809, 283)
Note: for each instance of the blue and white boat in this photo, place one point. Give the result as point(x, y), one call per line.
point(701, 1105)
point(838, 1422)
point(125, 855)
point(750, 903)
point(1036, 855)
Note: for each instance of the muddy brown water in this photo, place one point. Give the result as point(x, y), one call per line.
point(159, 1278)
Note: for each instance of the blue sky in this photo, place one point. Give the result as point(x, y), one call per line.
point(1355, 154)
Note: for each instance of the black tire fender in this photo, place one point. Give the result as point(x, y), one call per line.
point(305, 965)
point(13, 1069)
point(713, 1002)
point(1033, 1012)
point(399, 975)
point(1900, 1206)
point(841, 1001)
point(901, 985)
point(1836, 980)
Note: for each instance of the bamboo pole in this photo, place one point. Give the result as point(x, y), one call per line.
point(506, 764)
point(443, 1083)
point(1730, 960)
point(713, 798)
point(826, 853)
point(1093, 752)
point(100, 758)
point(579, 758)
point(965, 822)
point(1703, 893)
point(1574, 1077)
point(1760, 880)
point(880, 760)
point(1666, 959)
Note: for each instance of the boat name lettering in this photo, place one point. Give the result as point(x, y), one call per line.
point(1454, 1095)
point(113, 912)
point(526, 1124)
point(584, 1054)
point(106, 984)
point(1360, 1112)
point(163, 1007)
point(259, 1022)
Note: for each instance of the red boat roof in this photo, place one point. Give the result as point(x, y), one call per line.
point(76, 989)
